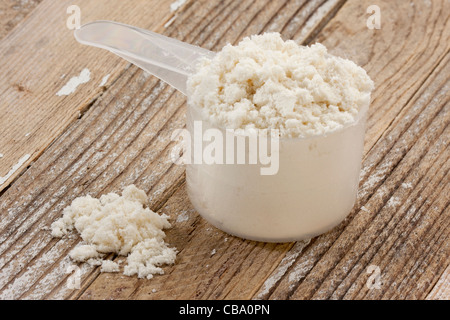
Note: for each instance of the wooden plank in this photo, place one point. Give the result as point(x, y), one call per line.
point(124, 137)
point(36, 65)
point(399, 56)
point(441, 290)
point(12, 12)
point(119, 140)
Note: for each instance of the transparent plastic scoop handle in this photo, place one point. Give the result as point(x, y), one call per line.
point(168, 59)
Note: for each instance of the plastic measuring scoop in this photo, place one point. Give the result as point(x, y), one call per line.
point(168, 59)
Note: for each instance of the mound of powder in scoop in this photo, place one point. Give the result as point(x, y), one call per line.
point(265, 82)
point(118, 224)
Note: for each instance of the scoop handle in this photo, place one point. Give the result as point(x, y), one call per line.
point(168, 59)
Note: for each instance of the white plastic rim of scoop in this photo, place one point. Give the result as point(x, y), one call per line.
point(167, 58)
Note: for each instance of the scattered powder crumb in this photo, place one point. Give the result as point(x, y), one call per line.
point(14, 168)
point(364, 209)
point(1, 155)
point(407, 185)
point(27, 134)
point(153, 290)
point(393, 202)
point(283, 267)
point(121, 225)
point(146, 257)
point(104, 80)
point(213, 252)
point(183, 216)
point(83, 253)
point(109, 266)
point(174, 6)
point(74, 82)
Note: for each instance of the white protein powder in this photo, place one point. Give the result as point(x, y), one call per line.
point(121, 225)
point(265, 82)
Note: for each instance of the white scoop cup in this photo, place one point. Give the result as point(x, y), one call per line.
point(317, 182)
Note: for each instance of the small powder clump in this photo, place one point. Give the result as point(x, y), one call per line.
point(118, 224)
point(265, 82)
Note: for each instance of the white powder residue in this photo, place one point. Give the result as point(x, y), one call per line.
point(14, 168)
point(183, 216)
point(213, 252)
point(406, 185)
point(109, 266)
point(168, 23)
point(299, 271)
point(379, 175)
point(267, 83)
point(1, 155)
point(146, 257)
point(174, 6)
point(74, 82)
point(121, 225)
point(393, 202)
point(104, 80)
point(287, 261)
point(83, 253)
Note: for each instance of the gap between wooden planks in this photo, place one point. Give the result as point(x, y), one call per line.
point(133, 147)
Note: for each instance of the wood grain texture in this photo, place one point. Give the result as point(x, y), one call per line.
point(36, 65)
point(441, 290)
point(335, 265)
point(399, 224)
point(12, 12)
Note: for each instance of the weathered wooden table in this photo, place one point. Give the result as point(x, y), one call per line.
point(115, 130)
